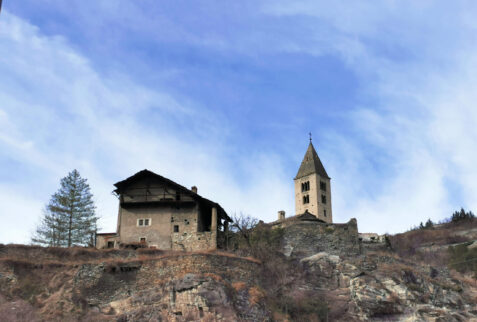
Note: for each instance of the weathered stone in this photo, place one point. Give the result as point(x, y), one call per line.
point(306, 238)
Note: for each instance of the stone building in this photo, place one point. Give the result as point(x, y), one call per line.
point(158, 212)
point(311, 230)
point(312, 187)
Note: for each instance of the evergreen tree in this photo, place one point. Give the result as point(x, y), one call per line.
point(429, 223)
point(50, 231)
point(69, 218)
point(462, 215)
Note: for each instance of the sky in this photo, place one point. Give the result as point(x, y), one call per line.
point(223, 94)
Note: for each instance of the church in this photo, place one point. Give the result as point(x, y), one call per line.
point(312, 187)
point(157, 212)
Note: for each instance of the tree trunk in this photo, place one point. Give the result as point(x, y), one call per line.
point(70, 227)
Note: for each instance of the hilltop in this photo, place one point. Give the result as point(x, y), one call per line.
point(415, 276)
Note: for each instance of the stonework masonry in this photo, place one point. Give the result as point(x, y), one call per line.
point(314, 203)
point(304, 237)
point(313, 187)
point(157, 212)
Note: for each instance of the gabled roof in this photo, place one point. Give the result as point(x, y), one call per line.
point(307, 216)
point(122, 185)
point(311, 164)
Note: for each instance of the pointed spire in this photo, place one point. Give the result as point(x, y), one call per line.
point(311, 164)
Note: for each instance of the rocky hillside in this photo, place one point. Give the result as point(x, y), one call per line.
point(79, 284)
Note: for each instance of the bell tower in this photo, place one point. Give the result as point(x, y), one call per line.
point(312, 187)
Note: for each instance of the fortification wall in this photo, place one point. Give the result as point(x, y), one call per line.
point(306, 238)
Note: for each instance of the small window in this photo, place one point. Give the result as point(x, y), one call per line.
point(178, 196)
point(176, 228)
point(324, 212)
point(323, 186)
point(144, 222)
point(306, 199)
point(305, 186)
point(110, 244)
point(323, 199)
point(142, 240)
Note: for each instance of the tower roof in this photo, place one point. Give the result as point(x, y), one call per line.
point(311, 164)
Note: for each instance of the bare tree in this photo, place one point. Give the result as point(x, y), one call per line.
point(243, 225)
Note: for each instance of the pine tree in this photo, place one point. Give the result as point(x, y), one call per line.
point(69, 218)
point(429, 223)
point(50, 231)
point(462, 215)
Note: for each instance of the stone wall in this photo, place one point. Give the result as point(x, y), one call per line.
point(194, 241)
point(306, 238)
point(102, 241)
point(162, 222)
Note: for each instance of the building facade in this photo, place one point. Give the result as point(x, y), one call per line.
point(312, 187)
point(157, 212)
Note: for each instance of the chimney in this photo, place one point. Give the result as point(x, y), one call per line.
point(281, 215)
point(194, 189)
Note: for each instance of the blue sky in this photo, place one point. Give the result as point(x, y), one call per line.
point(222, 95)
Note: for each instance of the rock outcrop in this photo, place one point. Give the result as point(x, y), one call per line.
point(383, 287)
point(51, 284)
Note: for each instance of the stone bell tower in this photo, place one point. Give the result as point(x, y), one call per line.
point(312, 187)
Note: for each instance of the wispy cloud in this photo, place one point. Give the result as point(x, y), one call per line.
point(61, 114)
point(218, 95)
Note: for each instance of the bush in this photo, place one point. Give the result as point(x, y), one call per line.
point(18, 310)
point(308, 307)
point(261, 241)
point(463, 259)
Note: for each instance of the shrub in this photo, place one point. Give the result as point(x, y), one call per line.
point(238, 286)
point(255, 295)
point(407, 245)
point(308, 307)
point(18, 310)
point(463, 259)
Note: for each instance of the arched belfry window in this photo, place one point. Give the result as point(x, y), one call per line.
point(305, 186)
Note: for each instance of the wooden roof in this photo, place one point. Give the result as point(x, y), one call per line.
point(122, 185)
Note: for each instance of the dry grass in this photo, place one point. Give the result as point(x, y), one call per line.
point(429, 246)
point(18, 310)
point(466, 279)
point(213, 276)
point(51, 257)
point(238, 286)
point(255, 295)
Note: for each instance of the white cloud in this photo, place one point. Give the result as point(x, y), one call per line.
point(18, 211)
point(59, 113)
point(391, 170)
point(414, 146)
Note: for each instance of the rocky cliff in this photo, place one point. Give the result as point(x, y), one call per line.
point(52, 284)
